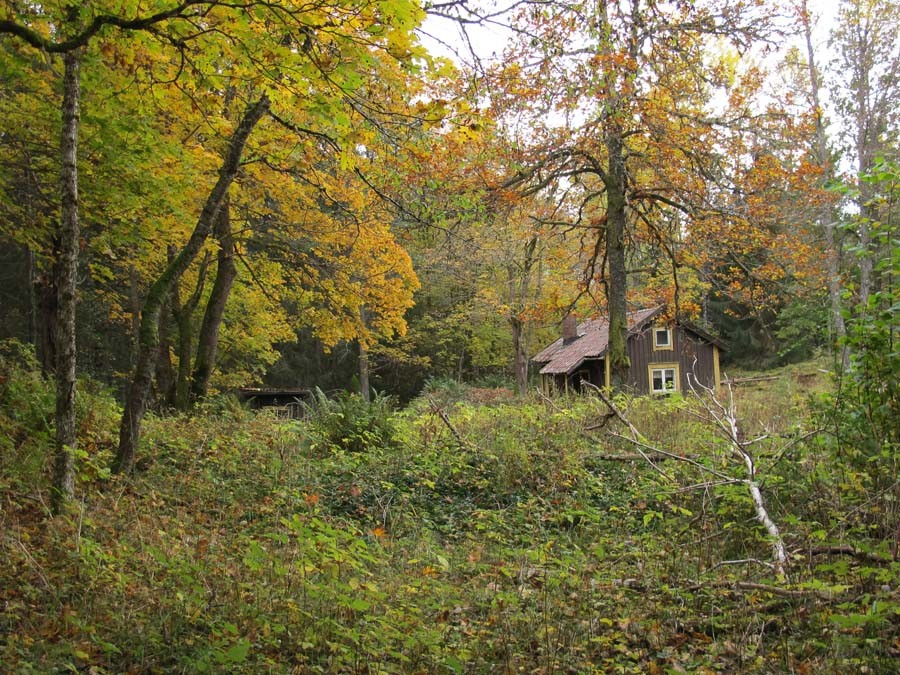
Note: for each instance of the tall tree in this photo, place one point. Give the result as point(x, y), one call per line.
point(618, 98)
point(828, 217)
point(226, 272)
point(66, 279)
point(868, 72)
point(136, 400)
point(67, 30)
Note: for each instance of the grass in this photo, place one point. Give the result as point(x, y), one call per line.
point(250, 544)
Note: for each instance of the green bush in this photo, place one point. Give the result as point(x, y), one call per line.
point(26, 416)
point(347, 423)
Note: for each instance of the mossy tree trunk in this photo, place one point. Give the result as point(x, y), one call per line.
point(184, 322)
point(226, 273)
point(142, 378)
point(617, 281)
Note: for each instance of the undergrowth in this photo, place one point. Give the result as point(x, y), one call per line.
point(447, 537)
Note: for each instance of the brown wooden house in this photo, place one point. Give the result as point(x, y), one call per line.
point(662, 355)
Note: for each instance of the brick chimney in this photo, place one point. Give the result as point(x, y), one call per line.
point(569, 329)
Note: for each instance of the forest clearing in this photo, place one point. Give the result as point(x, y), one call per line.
point(370, 540)
point(390, 336)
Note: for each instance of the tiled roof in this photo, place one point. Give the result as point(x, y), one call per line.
point(592, 342)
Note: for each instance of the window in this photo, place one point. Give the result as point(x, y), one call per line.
point(662, 338)
point(663, 378)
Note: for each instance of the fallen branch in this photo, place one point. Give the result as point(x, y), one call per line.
point(436, 409)
point(765, 588)
point(636, 437)
point(672, 455)
point(745, 380)
point(630, 458)
point(850, 551)
point(726, 418)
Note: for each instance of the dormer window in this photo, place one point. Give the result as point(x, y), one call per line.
point(662, 338)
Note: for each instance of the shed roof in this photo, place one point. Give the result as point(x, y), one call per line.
point(592, 342)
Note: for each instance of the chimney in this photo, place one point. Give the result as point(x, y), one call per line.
point(569, 329)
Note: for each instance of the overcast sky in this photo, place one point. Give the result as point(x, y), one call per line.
point(487, 41)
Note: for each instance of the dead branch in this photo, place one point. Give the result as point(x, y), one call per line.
point(439, 411)
point(636, 437)
point(849, 551)
point(672, 455)
point(766, 588)
point(725, 417)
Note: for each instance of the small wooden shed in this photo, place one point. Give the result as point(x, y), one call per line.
point(662, 355)
point(286, 402)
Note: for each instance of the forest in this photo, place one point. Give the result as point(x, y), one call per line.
point(389, 208)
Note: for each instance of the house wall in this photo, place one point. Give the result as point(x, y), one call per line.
point(593, 368)
point(685, 347)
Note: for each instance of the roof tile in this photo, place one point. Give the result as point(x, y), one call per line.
point(592, 342)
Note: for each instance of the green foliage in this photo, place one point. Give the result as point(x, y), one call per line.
point(801, 329)
point(26, 415)
point(862, 413)
point(27, 422)
point(347, 423)
point(250, 544)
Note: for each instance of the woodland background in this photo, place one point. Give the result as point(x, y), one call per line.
point(201, 195)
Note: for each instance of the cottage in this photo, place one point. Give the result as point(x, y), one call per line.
point(662, 355)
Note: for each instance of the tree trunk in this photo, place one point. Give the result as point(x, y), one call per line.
point(519, 285)
point(67, 273)
point(46, 320)
point(184, 321)
point(364, 388)
point(614, 182)
point(617, 280)
point(134, 306)
point(136, 400)
point(520, 357)
point(165, 372)
point(828, 217)
point(226, 272)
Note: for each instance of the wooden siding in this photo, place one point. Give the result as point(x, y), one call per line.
point(596, 375)
point(685, 347)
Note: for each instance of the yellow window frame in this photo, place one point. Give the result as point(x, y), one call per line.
point(676, 382)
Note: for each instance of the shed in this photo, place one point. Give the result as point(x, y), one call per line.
point(287, 402)
point(662, 354)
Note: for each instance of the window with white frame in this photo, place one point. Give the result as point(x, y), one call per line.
point(662, 338)
point(663, 379)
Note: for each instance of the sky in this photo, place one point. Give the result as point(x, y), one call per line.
point(464, 42)
point(451, 39)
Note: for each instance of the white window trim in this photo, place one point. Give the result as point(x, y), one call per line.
point(662, 347)
point(664, 366)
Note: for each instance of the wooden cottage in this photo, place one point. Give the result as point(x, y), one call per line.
point(662, 355)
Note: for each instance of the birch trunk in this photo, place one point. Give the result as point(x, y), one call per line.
point(828, 217)
point(67, 273)
point(779, 553)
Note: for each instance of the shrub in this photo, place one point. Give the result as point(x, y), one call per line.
point(347, 423)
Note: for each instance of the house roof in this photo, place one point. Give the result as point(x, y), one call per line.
point(592, 342)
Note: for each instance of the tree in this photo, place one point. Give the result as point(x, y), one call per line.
point(70, 29)
point(136, 400)
point(618, 100)
point(867, 69)
point(828, 217)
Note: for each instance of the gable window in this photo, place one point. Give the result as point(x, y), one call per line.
point(662, 338)
point(664, 378)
